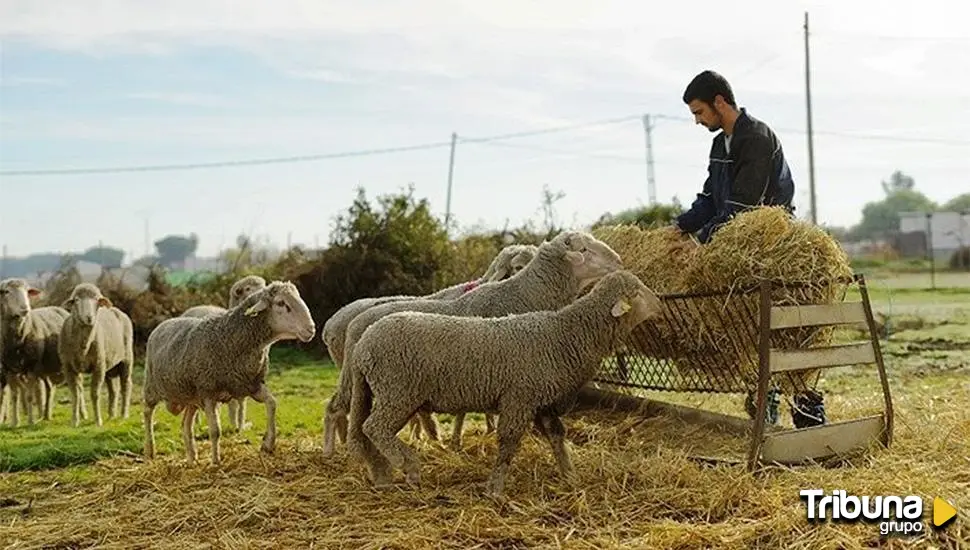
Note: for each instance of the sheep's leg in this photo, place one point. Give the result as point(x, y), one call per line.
point(80, 397)
point(148, 414)
point(382, 426)
point(16, 396)
point(188, 436)
point(361, 402)
point(212, 418)
point(241, 415)
point(456, 431)
point(233, 414)
point(335, 414)
point(429, 425)
point(97, 380)
point(30, 397)
point(112, 396)
point(415, 424)
point(49, 387)
point(73, 380)
point(511, 427)
point(264, 396)
point(3, 402)
point(489, 423)
point(126, 383)
point(553, 430)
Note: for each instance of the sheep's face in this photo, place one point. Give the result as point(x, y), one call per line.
point(522, 259)
point(15, 295)
point(244, 288)
point(287, 314)
point(84, 306)
point(635, 303)
point(591, 258)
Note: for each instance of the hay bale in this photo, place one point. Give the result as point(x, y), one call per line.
point(714, 340)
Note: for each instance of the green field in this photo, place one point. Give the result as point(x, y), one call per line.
point(637, 484)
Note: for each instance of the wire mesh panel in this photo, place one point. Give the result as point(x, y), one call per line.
point(709, 342)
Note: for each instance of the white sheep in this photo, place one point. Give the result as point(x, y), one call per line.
point(239, 291)
point(509, 261)
point(28, 343)
point(197, 362)
point(97, 339)
point(523, 367)
point(562, 268)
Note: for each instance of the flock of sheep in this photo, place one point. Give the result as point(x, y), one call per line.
point(517, 344)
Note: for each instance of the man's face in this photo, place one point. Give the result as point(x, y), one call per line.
point(705, 114)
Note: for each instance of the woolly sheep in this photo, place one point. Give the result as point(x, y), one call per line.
point(523, 367)
point(562, 268)
point(507, 262)
point(97, 339)
point(29, 338)
point(197, 362)
point(239, 291)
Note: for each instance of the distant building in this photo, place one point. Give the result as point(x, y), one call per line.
point(948, 231)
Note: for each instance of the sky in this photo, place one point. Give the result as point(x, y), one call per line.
point(122, 83)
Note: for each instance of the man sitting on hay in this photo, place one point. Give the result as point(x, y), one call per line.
point(747, 168)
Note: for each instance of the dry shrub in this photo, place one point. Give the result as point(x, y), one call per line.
point(715, 337)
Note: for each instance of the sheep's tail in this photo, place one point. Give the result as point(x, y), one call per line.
point(361, 402)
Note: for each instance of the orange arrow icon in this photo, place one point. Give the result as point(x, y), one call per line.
point(943, 511)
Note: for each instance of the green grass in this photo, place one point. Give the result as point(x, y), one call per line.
point(300, 384)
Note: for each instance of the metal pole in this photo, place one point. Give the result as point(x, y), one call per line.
point(808, 111)
point(451, 173)
point(929, 249)
point(651, 184)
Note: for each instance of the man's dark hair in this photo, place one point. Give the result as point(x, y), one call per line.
point(706, 85)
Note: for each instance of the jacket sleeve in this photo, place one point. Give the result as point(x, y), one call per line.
point(752, 173)
point(700, 211)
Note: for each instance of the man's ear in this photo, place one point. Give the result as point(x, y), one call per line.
point(621, 307)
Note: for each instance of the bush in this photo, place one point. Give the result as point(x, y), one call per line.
point(960, 259)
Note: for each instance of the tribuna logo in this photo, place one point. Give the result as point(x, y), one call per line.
point(895, 514)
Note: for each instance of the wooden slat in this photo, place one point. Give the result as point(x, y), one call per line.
point(846, 313)
point(821, 357)
point(795, 446)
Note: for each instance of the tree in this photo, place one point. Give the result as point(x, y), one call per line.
point(959, 203)
point(106, 256)
point(174, 249)
point(643, 216)
point(881, 218)
point(898, 181)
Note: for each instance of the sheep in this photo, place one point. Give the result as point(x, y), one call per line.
point(97, 339)
point(29, 349)
point(524, 367)
point(197, 362)
point(562, 268)
point(239, 291)
point(507, 262)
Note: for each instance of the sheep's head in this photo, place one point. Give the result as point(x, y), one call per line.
point(287, 314)
point(84, 303)
point(244, 288)
point(631, 301)
point(590, 258)
point(15, 295)
point(509, 261)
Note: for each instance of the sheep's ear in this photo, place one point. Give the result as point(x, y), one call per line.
point(105, 302)
point(575, 258)
point(621, 307)
point(32, 292)
point(254, 309)
point(68, 304)
point(500, 274)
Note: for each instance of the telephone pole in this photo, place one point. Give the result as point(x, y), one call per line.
point(451, 173)
point(651, 184)
point(808, 112)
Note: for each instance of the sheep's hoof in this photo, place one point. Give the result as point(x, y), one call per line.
point(267, 447)
point(413, 479)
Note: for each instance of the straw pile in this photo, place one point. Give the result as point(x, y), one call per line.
point(713, 340)
point(636, 487)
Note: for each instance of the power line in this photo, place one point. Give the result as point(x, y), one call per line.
point(307, 158)
point(441, 144)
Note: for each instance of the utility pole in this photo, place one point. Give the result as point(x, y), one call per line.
point(148, 246)
point(808, 110)
point(3, 262)
point(451, 173)
point(651, 184)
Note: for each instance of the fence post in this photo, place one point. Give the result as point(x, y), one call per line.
point(451, 173)
point(929, 249)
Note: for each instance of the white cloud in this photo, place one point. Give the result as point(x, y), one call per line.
point(180, 98)
point(18, 80)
